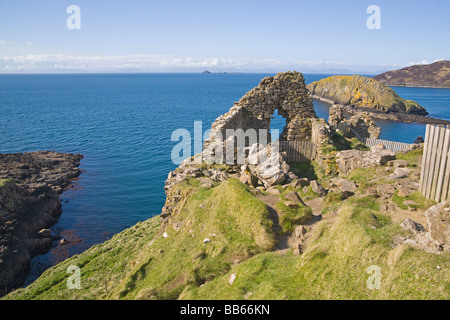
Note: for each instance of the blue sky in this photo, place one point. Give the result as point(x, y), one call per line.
point(244, 35)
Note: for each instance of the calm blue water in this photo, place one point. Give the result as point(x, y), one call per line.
point(122, 124)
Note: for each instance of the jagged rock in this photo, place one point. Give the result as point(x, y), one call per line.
point(273, 170)
point(438, 219)
point(404, 191)
point(320, 132)
point(336, 116)
point(352, 159)
point(294, 197)
point(273, 191)
point(45, 233)
point(317, 188)
point(411, 204)
point(205, 182)
point(300, 232)
point(300, 235)
point(385, 190)
point(248, 178)
point(300, 183)
point(419, 140)
point(412, 226)
point(345, 185)
point(29, 204)
point(399, 173)
point(437, 239)
point(360, 125)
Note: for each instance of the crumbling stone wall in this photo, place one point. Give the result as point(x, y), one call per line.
point(286, 92)
point(360, 125)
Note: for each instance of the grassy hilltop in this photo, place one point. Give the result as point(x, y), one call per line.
point(363, 92)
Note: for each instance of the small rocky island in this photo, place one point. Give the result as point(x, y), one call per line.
point(357, 93)
point(435, 75)
point(30, 184)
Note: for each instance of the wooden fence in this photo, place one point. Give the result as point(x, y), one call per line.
point(298, 151)
point(389, 145)
point(393, 146)
point(435, 174)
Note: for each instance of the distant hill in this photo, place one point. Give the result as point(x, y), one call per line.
point(364, 93)
point(435, 75)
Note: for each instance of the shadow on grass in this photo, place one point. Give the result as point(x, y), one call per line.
point(304, 170)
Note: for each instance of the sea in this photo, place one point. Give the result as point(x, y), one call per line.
point(123, 125)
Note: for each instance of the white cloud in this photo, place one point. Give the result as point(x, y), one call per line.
point(29, 44)
point(157, 63)
point(57, 62)
point(412, 63)
point(2, 43)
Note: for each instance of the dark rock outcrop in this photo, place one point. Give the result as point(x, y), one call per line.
point(361, 125)
point(352, 159)
point(29, 204)
point(437, 238)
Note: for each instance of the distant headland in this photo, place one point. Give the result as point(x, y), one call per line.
point(435, 75)
point(209, 72)
point(357, 93)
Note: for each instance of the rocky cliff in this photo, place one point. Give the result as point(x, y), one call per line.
point(435, 75)
point(364, 93)
point(29, 204)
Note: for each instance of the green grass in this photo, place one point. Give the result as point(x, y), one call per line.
point(377, 225)
point(332, 201)
point(334, 266)
point(417, 197)
point(139, 263)
point(356, 144)
point(103, 267)
point(135, 265)
point(411, 157)
point(304, 170)
point(292, 216)
point(334, 198)
point(308, 195)
point(365, 177)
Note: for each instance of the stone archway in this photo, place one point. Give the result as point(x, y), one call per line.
point(286, 92)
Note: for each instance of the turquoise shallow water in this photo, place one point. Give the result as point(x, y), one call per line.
point(122, 124)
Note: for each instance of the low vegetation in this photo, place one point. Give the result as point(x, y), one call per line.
point(337, 265)
point(220, 244)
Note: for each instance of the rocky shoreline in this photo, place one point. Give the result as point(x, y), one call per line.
point(30, 184)
point(397, 117)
